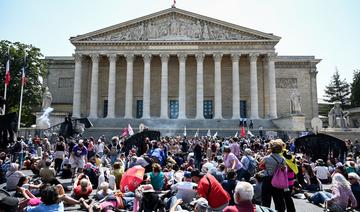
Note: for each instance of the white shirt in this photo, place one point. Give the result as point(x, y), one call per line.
point(101, 147)
point(185, 191)
point(322, 172)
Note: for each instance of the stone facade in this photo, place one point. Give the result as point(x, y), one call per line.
point(137, 53)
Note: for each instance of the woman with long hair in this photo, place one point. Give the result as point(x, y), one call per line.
point(339, 198)
point(311, 182)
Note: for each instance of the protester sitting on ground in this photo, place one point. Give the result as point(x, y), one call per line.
point(105, 176)
point(48, 174)
point(105, 191)
point(311, 182)
point(243, 196)
point(118, 172)
point(24, 183)
point(210, 189)
point(200, 205)
point(230, 184)
point(50, 201)
point(12, 176)
point(322, 172)
point(157, 177)
point(340, 168)
point(340, 197)
point(82, 187)
point(186, 189)
point(354, 180)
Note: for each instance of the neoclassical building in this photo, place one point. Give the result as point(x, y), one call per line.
point(175, 64)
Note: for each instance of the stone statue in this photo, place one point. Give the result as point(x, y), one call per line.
point(295, 102)
point(47, 99)
point(337, 117)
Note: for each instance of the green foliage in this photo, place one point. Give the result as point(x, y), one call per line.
point(355, 89)
point(337, 90)
point(35, 69)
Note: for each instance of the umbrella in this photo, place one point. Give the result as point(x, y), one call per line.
point(132, 178)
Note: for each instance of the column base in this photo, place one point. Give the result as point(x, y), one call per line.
point(164, 117)
point(237, 117)
point(200, 118)
point(128, 117)
point(182, 117)
point(93, 117)
point(110, 116)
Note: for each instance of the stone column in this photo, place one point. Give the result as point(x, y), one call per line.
point(217, 86)
point(77, 86)
point(182, 86)
point(315, 107)
point(254, 87)
point(146, 93)
point(272, 86)
point(129, 86)
point(112, 85)
point(164, 86)
point(235, 86)
point(94, 86)
point(200, 86)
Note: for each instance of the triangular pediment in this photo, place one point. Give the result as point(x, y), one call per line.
point(174, 25)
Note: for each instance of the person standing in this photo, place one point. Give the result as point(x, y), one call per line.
point(268, 164)
point(78, 157)
point(232, 162)
point(18, 151)
point(59, 153)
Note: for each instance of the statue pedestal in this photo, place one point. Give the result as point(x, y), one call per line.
point(55, 118)
point(294, 122)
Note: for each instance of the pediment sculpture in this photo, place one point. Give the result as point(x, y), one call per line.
point(174, 28)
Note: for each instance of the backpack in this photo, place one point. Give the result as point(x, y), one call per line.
point(252, 168)
point(280, 177)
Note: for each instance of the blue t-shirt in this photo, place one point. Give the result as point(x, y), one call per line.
point(80, 152)
point(58, 207)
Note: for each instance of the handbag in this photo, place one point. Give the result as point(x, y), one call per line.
point(280, 177)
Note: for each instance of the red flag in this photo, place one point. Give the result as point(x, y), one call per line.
point(243, 133)
point(7, 73)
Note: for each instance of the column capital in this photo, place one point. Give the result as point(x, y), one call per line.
point(271, 56)
point(147, 57)
point(235, 57)
point(200, 57)
point(182, 57)
point(94, 58)
point(253, 57)
point(78, 57)
point(217, 56)
point(129, 58)
point(112, 57)
point(164, 58)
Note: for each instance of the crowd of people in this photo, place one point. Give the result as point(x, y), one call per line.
point(180, 174)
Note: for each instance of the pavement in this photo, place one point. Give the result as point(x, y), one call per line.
point(300, 204)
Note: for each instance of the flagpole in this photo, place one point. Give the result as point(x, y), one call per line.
point(21, 99)
point(22, 89)
point(5, 90)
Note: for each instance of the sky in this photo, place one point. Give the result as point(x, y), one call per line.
point(326, 29)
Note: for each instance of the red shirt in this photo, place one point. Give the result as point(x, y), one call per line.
point(79, 193)
point(243, 207)
point(217, 195)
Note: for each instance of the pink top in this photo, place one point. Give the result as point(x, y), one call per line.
point(229, 159)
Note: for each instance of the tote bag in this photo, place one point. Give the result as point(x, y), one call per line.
point(280, 177)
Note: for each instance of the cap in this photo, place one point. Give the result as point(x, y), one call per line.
point(201, 202)
point(187, 174)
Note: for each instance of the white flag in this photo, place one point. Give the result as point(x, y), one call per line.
point(130, 130)
point(215, 135)
point(236, 135)
point(208, 133)
point(184, 131)
point(197, 133)
point(249, 133)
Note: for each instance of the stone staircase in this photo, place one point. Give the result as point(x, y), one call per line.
point(170, 127)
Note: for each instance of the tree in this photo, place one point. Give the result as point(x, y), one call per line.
point(355, 89)
point(34, 70)
point(337, 90)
